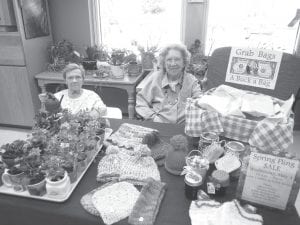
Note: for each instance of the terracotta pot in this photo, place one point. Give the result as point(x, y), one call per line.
point(1, 172)
point(38, 189)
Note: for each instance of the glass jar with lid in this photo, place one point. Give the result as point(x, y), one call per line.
point(206, 139)
point(193, 182)
point(218, 183)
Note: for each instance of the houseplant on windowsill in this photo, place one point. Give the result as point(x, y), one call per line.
point(93, 54)
point(147, 55)
point(61, 54)
point(117, 59)
point(133, 68)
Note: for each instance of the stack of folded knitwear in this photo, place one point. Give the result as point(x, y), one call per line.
point(115, 201)
point(128, 162)
point(133, 137)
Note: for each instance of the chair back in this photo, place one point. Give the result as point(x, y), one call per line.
point(288, 80)
point(113, 113)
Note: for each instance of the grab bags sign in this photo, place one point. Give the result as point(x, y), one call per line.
point(269, 180)
point(253, 67)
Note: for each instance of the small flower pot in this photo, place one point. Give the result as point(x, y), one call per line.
point(81, 165)
point(147, 61)
point(1, 172)
point(100, 135)
point(72, 172)
point(89, 64)
point(38, 189)
point(133, 69)
point(117, 72)
point(60, 187)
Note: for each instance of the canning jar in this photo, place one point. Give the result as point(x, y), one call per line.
point(193, 182)
point(207, 139)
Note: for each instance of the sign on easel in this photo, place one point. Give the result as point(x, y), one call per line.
point(269, 180)
point(253, 67)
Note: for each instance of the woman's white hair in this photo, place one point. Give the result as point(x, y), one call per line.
point(73, 66)
point(179, 47)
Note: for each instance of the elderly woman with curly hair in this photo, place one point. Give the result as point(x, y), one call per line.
point(75, 98)
point(164, 95)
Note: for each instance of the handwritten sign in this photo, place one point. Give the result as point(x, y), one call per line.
point(269, 180)
point(253, 67)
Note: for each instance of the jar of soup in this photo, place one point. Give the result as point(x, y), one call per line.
point(193, 182)
point(207, 139)
point(218, 183)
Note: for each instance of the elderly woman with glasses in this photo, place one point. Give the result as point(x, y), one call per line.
point(75, 98)
point(164, 95)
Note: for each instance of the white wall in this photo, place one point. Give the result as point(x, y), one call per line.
point(70, 21)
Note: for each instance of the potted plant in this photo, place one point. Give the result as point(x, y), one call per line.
point(31, 166)
point(57, 179)
point(2, 169)
point(117, 60)
point(133, 67)
point(12, 153)
point(69, 165)
point(81, 158)
point(61, 54)
point(14, 178)
point(147, 55)
point(93, 54)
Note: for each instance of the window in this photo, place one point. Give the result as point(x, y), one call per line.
point(251, 23)
point(148, 22)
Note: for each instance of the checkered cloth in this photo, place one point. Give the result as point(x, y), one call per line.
point(265, 135)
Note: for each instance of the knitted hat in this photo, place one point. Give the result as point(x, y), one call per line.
point(210, 212)
point(121, 166)
point(115, 202)
point(135, 168)
point(147, 206)
point(109, 167)
point(176, 153)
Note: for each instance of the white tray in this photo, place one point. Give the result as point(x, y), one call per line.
point(55, 198)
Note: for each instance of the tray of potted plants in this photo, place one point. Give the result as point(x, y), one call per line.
point(54, 158)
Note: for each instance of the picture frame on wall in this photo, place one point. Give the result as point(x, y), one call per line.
point(35, 18)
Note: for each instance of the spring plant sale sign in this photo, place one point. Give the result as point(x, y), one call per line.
point(269, 180)
point(253, 67)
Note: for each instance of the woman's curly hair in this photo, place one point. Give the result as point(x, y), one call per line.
point(179, 47)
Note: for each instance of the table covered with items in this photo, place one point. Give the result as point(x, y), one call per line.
point(138, 179)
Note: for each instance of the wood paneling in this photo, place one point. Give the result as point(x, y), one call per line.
point(15, 97)
point(11, 50)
